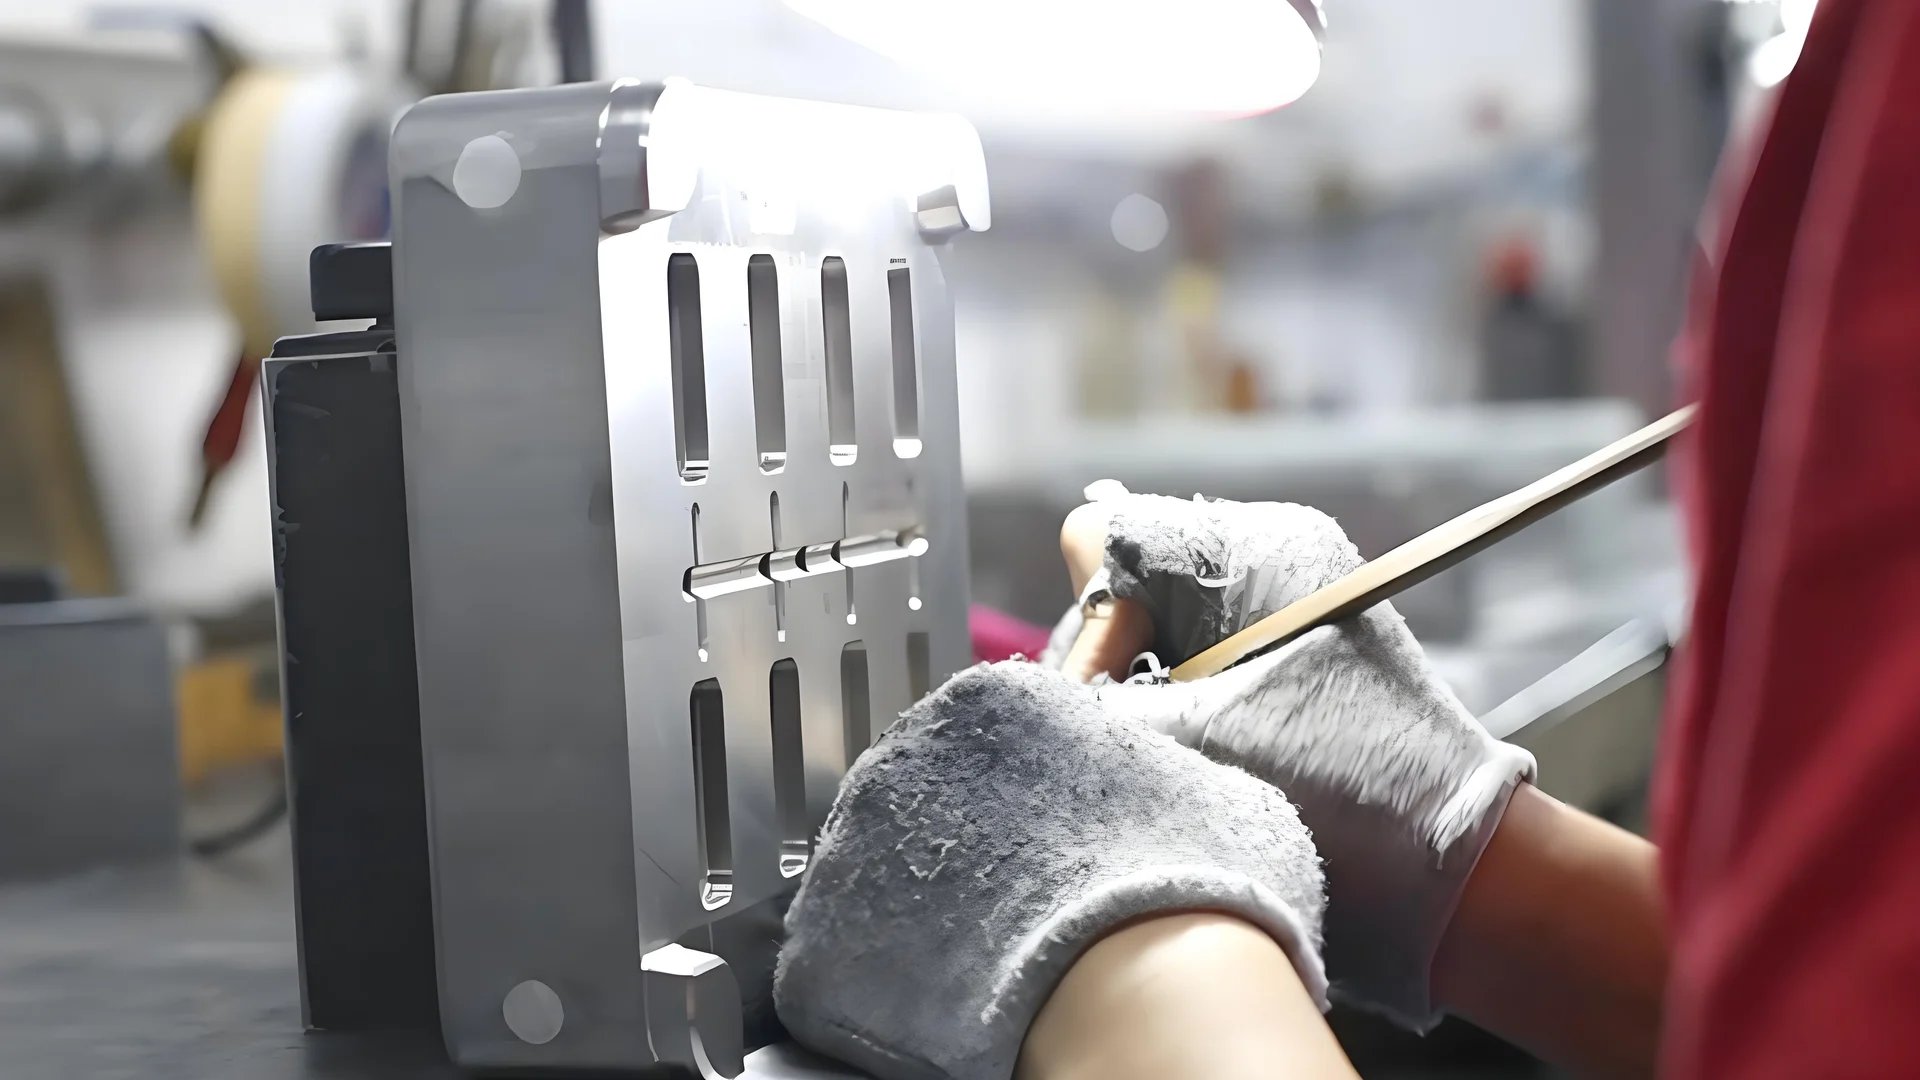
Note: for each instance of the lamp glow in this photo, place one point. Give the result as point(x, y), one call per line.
point(1797, 15)
point(1773, 59)
point(1231, 57)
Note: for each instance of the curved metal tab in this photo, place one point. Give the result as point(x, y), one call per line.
point(693, 1012)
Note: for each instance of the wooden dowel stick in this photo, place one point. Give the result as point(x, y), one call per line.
point(1444, 546)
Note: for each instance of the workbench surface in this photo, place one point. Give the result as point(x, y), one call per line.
point(187, 971)
point(184, 970)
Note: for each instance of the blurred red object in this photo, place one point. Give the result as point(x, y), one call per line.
point(1512, 267)
point(999, 636)
point(222, 440)
point(1790, 846)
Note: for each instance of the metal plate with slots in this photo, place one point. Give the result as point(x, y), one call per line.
point(686, 532)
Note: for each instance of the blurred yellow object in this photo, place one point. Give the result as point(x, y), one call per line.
point(286, 160)
point(1216, 376)
point(223, 722)
point(234, 143)
point(1194, 289)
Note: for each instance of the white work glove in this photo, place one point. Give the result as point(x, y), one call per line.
point(1001, 827)
point(1400, 785)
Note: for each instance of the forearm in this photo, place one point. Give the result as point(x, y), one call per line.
point(1198, 995)
point(1559, 943)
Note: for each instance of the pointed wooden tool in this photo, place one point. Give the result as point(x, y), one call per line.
point(1444, 546)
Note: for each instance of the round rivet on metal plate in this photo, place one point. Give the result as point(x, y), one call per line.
point(533, 1012)
point(487, 173)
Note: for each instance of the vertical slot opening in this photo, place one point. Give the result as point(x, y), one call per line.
point(919, 664)
point(688, 361)
point(846, 499)
point(779, 587)
point(856, 710)
point(699, 605)
point(836, 319)
point(914, 593)
point(769, 384)
point(789, 766)
point(710, 793)
point(906, 365)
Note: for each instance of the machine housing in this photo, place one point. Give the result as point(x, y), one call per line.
point(672, 375)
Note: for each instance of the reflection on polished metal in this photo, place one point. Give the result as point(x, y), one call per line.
point(1618, 660)
point(879, 548)
point(709, 580)
point(718, 579)
point(686, 532)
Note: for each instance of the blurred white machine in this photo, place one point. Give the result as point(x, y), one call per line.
point(671, 375)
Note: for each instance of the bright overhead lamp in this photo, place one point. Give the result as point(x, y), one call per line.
point(1224, 57)
point(1772, 60)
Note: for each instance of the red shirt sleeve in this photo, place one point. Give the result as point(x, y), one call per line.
point(1789, 820)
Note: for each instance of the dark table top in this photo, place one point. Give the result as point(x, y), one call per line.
point(184, 969)
point(187, 971)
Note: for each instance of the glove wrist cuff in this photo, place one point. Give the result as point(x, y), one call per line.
point(1387, 965)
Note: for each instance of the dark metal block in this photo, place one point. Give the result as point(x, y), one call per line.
point(358, 805)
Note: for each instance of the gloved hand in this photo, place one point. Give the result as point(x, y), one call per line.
point(998, 829)
point(1400, 785)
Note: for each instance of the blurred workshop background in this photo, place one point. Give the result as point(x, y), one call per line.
point(1454, 264)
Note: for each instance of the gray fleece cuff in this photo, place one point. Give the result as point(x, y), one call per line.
point(1001, 827)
